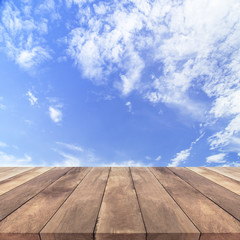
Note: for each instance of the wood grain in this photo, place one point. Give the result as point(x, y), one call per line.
point(212, 221)
point(33, 215)
point(120, 201)
point(7, 173)
point(76, 219)
point(234, 169)
point(226, 172)
point(212, 190)
point(220, 179)
point(15, 236)
point(21, 178)
point(3, 169)
point(163, 218)
point(13, 199)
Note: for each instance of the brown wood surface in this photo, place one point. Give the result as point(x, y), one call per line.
point(220, 195)
point(218, 178)
point(7, 173)
point(212, 221)
point(119, 203)
point(120, 216)
point(162, 216)
point(3, 169)
point(234, 169)
point(77, 217)
point(21, 178)
point(13, 199)
point(33, 215)
point(226, 172)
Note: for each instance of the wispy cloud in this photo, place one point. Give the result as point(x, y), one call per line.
point(168, 53)
point(74, 155)
point(158, 158)
point(28, 58)
point(11, 160)
point(32, 99)
point(51, 8)
point(230, 164)
point(183, 155)
point(22, 35)
point(228, 136)
point(73, 147)
point(217, 158)
point(69, 160)
point(130, 163)
point(107, 44)
point(164, 50)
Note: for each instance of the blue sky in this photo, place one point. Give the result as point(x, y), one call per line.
point(120, 83)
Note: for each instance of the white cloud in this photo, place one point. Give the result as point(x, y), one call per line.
point(32, 99)
point(183, 155)
point(71, 146)
point(55, 114)
point(165, 50)
point(168, 52)
point(21, 33)
point(132, 77)
point(107, 44)
point(231, 164)
point(69, 160)
point(227, 105)
point(229, 135)
point(158, 158)
point(28, 58)
point(11, 160)
point(49, 7)
point(100, 8)
point(148, 158)
point(129, 106)
point(217, 158)
point(130, 163)
point(74, 155)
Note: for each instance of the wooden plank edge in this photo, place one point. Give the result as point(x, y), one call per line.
point(87, 171)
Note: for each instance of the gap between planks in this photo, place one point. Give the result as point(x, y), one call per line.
point(136, 197)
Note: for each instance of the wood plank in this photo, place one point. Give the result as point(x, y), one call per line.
point(213, 222)
point(3, 169)
point(218, 178)
point(163, 218)
point(21, 178)
point(223, 197)
point(120, 216)
point(76, 219)
point(226, 172)
point(33, 215)
point(13, 199)
point(12, 172)
point(234, 169)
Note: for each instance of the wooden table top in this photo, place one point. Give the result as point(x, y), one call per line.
point(119, 203)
